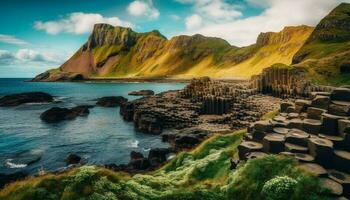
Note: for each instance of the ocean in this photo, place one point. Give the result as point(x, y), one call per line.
point(102, 137)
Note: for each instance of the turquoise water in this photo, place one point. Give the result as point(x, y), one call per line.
point(100, 138)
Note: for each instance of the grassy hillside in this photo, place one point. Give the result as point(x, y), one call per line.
point(116, 52)
point(326, 53)
point(203, 173)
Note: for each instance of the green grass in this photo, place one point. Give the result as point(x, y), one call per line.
point(203, 173)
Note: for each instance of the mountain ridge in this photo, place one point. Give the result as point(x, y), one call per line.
point(122, 53)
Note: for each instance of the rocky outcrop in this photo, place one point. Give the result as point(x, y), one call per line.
point(72, 159)
point(22, 98)
point(317, 137)
point(8, 178)
point(142, 93)
point(56, 114)
point(111, 101)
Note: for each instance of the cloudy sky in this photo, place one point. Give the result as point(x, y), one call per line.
point(36, 35)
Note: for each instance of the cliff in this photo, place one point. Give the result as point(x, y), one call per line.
point(117, 52)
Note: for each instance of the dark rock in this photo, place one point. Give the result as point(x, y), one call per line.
point(284, 106)
point(341, 178)
point(345, 68)
point(342, 160)
point(8, 178)
point(247, 147)
point(315, 113)
point(72, 159)
point(273, 143)
point(322, 150)
point(112, 101)
point(142, 93)
point(140, 164)
point(135, 155)
point(186, 141)
point(330, 124)
point(158, 156)
point(321, 102)
point(57, 114)
point(22, 98)
point(148, 123)
point(340, 94)
point(301, 105)
point(339, 108)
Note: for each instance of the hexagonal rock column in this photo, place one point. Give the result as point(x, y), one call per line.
point(284, 106)
point(341, 178)
point(342, 125)
point(315, 113)
point(260, 128)
point(335, 188)
point(321, 102)
point(322, 150)
point(340, 94)
point(330, 124)
point(342, 160)
point(256, 154)
point(295, 123)
point(315, 169)
point(312, 126)
point(247, 147)
point(273, 143)
point(301, 105)
point(297, 137)
point(341, 108)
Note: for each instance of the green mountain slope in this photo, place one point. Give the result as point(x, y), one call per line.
point(326, 53)
point(117, 52)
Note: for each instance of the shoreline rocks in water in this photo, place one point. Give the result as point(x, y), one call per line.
point(142, 93)
point(111, 101)
point(72, 159)
point(57, 114)
point(22, 98)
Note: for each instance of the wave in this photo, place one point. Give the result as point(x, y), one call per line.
point(134, 143)
point(11, 165)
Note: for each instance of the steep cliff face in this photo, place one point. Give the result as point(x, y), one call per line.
point(326, 53)
point(117, 52)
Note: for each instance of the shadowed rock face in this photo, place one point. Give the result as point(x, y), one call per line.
point(57, 114)
point(112, 101)
point(22, 98)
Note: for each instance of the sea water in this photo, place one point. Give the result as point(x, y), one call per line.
point(102, 137)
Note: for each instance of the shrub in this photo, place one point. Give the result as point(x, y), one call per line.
point(279, 188)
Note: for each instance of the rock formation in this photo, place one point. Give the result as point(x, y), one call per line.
point(22, 98)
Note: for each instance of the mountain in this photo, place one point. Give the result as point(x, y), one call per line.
point(117, 52)
point(326, 53)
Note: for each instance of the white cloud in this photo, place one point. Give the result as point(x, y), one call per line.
point(78, 23)
point(278, 14)
point(193, 22)
point(29, 56)
point(9, 39)
point(214, 9)
point(143, 8)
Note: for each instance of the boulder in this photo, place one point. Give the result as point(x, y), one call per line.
point(134, 155)
point(22, 98)
point(142, 93)
point(158, 156)
point(342, 161)
point(72, 159)
point(57, 114)
point(315, 113)
point(322, 150)
point(247, 147)
point(111, 101)
point(321, 102)
point(186, 141)
point(340, 94)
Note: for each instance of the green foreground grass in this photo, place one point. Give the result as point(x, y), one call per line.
point(203, 173)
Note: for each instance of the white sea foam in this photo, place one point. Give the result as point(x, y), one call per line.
point(134, 143)
point(11, 165)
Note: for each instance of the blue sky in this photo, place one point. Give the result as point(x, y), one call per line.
point(37, 35)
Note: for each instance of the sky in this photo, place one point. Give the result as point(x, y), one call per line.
point(36, 35)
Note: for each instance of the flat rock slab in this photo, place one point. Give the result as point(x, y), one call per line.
point(22, 98)
point(293, 148)
point(142, 93)
point(335, 188)
point(342, 161)
point(302, 157)
point(341, 178)
point(312, 126)
point(321, 102)
point(248, 146)
point(281, 130)
point(315, 169)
